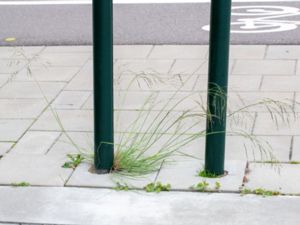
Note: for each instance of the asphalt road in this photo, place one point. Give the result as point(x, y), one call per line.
point(71, 24)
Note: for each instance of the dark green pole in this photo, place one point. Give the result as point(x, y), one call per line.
point(217, 86)
point(103, 85)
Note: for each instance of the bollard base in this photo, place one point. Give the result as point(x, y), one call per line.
point(101, 171)
point(211, 175)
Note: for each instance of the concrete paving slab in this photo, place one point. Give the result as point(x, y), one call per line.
point(72, 120)
point(84, 176)
point(31, 90)
point(10, 224)
point(265, 125)
point(136, 100)
point(134, 67)
point(235, 83)
point(125, 119)
point(155, 82)
point(70, 99)
point(297, 102)
point(5, 146)
point(61, 59)
point(47, 74)
point(83, 142)
point(296, 149)
point(283, 52)
point(35, 142)
point(240, 122)
point(93, 206)
point(253, 83)
point(132, 51)
point(159, 100)
point(192, 66)
point(179, 52)
point(264, 67)
point(89, 104)
point(284, 178)
point(11, 66)
point(83, 81)
point(69, 49)
point(40, 170)
point(21, 108)
point(4, 78)
point(243, 99)
point(194, 148)
point(280, 83)
point(12, 130)
point(247, 51)
point(242, 148)
point(182, 175)
point(20, 52)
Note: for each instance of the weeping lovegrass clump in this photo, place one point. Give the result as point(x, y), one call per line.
point(165, 130)
point(160, 131)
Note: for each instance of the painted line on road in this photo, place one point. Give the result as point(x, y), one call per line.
point(191, 1)
point(89, 2)
point(73, 2)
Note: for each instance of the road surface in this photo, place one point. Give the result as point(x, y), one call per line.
point(69, 22)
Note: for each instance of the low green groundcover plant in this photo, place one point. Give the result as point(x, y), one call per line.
point(157, 187)
point(260, 191)
point(75, 160)
point(21, 184)
point(203, 186)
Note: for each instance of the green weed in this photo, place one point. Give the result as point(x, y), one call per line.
point(121, 187)
point(75, 160)
point(201, 186)
point(261, 192)
point(204, 173)
point(157, 187)
point(217, 185)
point(21, 184)
point(294, 162)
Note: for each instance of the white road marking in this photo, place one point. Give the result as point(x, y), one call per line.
point(46, 2)
point(191, 1)
point(88, 2)
point(262, 19)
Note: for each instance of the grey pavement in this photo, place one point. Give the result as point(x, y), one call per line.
point(98, 206)
point(33, 147)
point(149, 23)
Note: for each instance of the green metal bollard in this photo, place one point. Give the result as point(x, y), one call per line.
point(217, 86)
point(103, 85)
